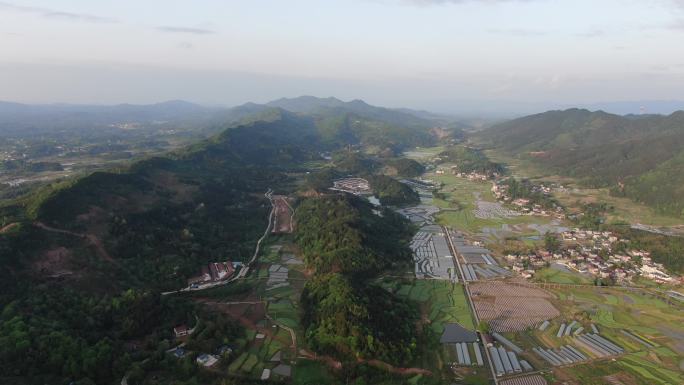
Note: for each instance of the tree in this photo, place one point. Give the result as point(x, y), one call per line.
point(551, 242)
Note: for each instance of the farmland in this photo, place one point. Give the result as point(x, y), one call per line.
point(509, 307)
point(441, 301)
point(470, 206)
point(649, 330)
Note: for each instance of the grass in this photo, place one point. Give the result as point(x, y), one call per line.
point(443, 302)
point(460, 201)
point(235, 365)
point(557, 276)
point(651, 371)
point(310, 373)
point(249, 363)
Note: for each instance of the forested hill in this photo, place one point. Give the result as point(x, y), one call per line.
point(640, 157)
point(83, 261)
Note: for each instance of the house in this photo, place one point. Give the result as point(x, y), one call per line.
point(225, 349)
point(207, 360)
point(179, 352)
point(221, 270)
point(181, 330)
point(266, 374)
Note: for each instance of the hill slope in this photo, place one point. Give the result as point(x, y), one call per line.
point(637, 156)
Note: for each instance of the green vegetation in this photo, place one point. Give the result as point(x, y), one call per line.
point(85, 337)
point(391, 192)
point(604, 150)
point(526, 189)
point(341, 233)
point(664, 249)
point(345, 243)
point(468, 160)
point(553, 275)
point(443, 301)
point(404, 167)
point(613, 310)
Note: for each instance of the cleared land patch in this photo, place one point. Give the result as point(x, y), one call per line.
point(509, 308)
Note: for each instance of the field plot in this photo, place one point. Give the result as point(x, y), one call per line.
point(492, 210)
point(470, 206)
point(527, 380)
point(420, 215)
point(283, 218)
point(442, 302)
point(510, 308)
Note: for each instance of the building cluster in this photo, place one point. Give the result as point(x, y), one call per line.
point(593, 253)
point(214, 272)
point(352, 185)
point(527, 206)
point(472, 176)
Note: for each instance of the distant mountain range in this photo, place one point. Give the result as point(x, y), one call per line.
point(355, 118)
point(638, 156)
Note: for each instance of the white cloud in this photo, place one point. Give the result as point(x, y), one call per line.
point(56, 14)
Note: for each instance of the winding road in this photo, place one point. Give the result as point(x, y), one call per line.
point(245, 270)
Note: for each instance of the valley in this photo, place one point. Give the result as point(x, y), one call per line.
point(278, 250)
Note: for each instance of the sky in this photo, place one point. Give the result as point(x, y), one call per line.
point(429, 54)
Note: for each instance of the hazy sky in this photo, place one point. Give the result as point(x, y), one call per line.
point(415, 53)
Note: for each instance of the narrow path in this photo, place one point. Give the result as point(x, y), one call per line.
point(293, 335)
point(8, 228)
point(91, 238)
point(396, 370)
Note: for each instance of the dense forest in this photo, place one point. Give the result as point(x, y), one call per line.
point(140, 230)
point(403, 167)
point(468, 159)
point(639, 157)
point(83, 261)
point(84, 337)
point(346, 244)
point(391, 192)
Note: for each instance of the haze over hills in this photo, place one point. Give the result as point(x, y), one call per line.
point(638, 156)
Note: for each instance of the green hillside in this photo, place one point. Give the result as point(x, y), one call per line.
point(90, 252)
point(637, 156)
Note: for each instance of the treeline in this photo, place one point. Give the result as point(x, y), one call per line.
point(346, 244)
point(468, 159)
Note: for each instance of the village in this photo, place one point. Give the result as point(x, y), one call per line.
point(594, 253)
point(528, 206)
